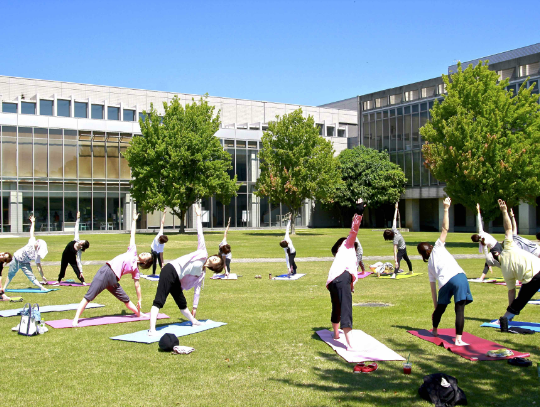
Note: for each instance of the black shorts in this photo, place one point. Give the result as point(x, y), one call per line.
point(169, 283)
point(341, 298)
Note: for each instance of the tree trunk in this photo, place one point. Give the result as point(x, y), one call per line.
point(293, 228)
point(182, 222)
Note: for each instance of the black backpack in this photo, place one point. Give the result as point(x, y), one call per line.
point(442, 396)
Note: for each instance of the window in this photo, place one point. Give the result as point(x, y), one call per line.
point(381, 102)
point(129, 115)
point(329, 131)
point(97, 112)
point(320, 127)
point(441, 89)
point(113, 113)
point(428, 92)
point(341, 133)
point(368, 105)
point(81, 110)
point(63, 108)
point(529, 69)
point(505, 74)
point(394, 99)
point(9, 107)
point(142, 116)
point(411, 95)
point(46, 107)
point(28, 108)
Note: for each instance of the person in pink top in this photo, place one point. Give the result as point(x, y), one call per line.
point(341, 280)
point(109, 275)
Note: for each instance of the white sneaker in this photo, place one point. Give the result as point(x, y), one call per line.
point(393, 276)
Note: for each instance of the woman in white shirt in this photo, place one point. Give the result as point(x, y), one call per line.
point(443, 269)
point(290, 251)
point(225, 251)
point(158, 246)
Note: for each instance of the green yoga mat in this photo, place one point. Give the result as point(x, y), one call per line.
point(30, 290)
point(402, 275)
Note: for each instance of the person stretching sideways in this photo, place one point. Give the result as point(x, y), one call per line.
point(109, 275)
point(443, 268)
point(5, 258)
point(516, 265)
point(182, 274)
point(34, 250)
point(72, 255)
point(158, 245)
point(485, 242)
point(523, 244)
point(290, 251)
point(225, 251)
point(341, 280)
point(400, 248)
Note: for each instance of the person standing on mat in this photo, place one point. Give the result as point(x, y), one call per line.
point(72, 255)
point(516, 265)
point(109, 275)
point(485, 241)
point(290, 251)
point(5, 258)
point(400, 248)
point(225, 251)
point(34, 250)
point(184, 273)
point(523, 244)
point(341, 280)
point(158, 246)
point(452, 280)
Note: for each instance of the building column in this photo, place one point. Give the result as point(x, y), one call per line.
point(16, 211)
point(470, 219)
point(412, 214)
point(450, 216)
point(129, 208)
point(527, 219)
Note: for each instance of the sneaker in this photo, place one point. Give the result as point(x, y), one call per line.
point(520, 362)
point(370, 368)
point(358, 368)
point(393, 276)
point(503, 321)
point(409, 273)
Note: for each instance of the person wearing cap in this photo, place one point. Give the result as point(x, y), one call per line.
point(516, 265)
point(485, 243)
point(34, 250)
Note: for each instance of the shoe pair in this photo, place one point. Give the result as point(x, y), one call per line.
point(362, 368)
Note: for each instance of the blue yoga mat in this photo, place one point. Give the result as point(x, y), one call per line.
point(533, 326)
point(31, 290)
point(151, 277)
point(181, 329)
point(49, 308)
point(535, 302)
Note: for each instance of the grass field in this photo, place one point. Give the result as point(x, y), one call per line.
point(268, 353)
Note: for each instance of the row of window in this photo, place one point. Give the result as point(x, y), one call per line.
point(427, 92)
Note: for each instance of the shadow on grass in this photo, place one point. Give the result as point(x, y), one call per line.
point(413, 244)
point(280, 233)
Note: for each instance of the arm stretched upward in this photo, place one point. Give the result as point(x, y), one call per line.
point(446, 221)
point(506, 220)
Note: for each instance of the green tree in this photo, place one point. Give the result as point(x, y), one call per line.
point(483, 141)
point(178, 159)
point(367, 174)
point(296, 163)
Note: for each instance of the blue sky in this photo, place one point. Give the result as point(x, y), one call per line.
point(302, 52)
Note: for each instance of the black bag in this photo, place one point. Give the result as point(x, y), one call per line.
point(442, 390)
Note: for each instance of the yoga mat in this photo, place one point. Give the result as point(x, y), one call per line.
point(151, 277)
point(361, 275)
point(49, 308)
point(180, 329)
point(400, 276)
point(476, 350)
point(67, 284)
point(535, 302)
point(113, 319)
point(517, 284)
point(366, 347)
point(285, 277)
point(527, 325)
point(231, 276)
point(486, 280)
point(30, 290)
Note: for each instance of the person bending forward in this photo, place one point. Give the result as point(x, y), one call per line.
point(158, 246)
point(290, 251)
point(400, 248)
point(72, 255)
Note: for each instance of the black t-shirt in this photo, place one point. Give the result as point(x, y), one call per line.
point(70, 253)
point(1, 267)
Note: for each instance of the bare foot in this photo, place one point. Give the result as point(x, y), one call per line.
point(434, 332)
point(460, 343)
point(336, 336)
point(196, 323)
point(152, 333)
point(143, 315)
point(75, 323)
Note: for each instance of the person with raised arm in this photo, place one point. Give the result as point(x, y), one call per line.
point(34, 250)
point(225, 251)
point(516, 265)
point(290, 251)
point(485, 243)
point(523, 244)
point(400, 248)
point(444, 270)
point(341, 280)
point(158, 246)
point(184, 273)
point(5, 258)
point(72, 255)
point(108, 276)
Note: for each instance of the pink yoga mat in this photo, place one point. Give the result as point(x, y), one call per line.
point(517, 284)
point(66, 284)
point(364, 274)
point(112, 319)
point(476, 350)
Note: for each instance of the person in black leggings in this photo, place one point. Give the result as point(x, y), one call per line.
point(72, 255)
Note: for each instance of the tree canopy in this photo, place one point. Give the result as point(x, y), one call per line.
point(296, 163)
point(178, 159)
point(483, 141)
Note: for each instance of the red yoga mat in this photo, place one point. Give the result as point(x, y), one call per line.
point(67, 284)
point(476, 350)
point(111, 319)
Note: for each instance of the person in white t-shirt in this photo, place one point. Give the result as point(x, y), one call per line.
point(290, 251)
point(522, 243)
point(158, 246)
point(225, 251)
point(444, 269)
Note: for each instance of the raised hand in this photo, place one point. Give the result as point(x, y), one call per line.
point(359, 201)
point(447, 201)
point(511, 212)
point(478, 207)
point(32, 218)
point(135, 215)
point(198, 209)
point(397, 205)
point(502, 205)
point(78, 215)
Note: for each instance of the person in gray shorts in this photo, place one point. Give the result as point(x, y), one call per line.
point(105, 279)
point(400, 248)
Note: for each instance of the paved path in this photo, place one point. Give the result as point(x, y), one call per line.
point(282, 259)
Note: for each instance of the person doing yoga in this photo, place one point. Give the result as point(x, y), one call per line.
point(485, 242)
point(341, 280)
point(184, 273)
point(444, 269)
point(158, 246)
point(225, 251)
point(522, 243)
point(516, 265)
point(5, 258)
point(360, 206)
point(400, 248)
point(72, 255)
point(34, 250)
point(108, 276)
point(290, 251)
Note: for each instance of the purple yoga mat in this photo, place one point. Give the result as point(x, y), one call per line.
point(364, 274)
point(66, 284)
point(112, 319)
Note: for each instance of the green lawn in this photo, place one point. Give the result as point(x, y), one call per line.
point(268, 353)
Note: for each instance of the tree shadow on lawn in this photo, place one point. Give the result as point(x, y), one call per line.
point(484, 383)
